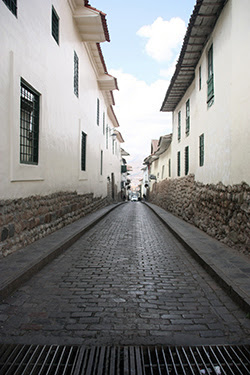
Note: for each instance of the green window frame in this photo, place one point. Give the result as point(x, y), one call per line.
point(187, 117)
point(107, 136)
point(178, 163)
point(83, 151)
point(169, 168)
point(186, 160)
point(101, 166)
point(98, 111)
point(179, 125)
point(12, 5)
point(201, 150)
point(55, 25)
point(76, 75)
point(29, 124)
point(210, 80)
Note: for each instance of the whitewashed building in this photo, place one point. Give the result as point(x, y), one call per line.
point(56, 100)
point(209, 95)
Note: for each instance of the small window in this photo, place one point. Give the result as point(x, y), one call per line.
point(83, 151)
point(199, 77)
point(76, 74)
point(98, 112)
point(55, 25)
point(178, 163)
point(210, 81)
point(169, 168)
point(103, 123)
point(29, 124)
point(101, 167)
point(179, 125)
point(187, 117)
point(107, 136)
point(186, 160)
point(12, 5)
point(201, 149)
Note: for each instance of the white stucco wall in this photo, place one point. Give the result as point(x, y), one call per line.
point(226, 123)
point(29, 51)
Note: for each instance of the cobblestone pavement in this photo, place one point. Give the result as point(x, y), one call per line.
point(126, 281)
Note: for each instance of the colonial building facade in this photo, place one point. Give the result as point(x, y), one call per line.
point(209, 97)
point(57, 120)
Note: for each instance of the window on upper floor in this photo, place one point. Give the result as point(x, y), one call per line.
point(29, 124)
point(101, 166)
point(187, 117)
point(107, 136)
point(76, 74)
point(55, 25)
point(186, 160)
point(103, 123)
point(210, 80)
point(83, 151)
point(98, 111)
point(201, 149)
point(162, 172)
point(178, 163)
point(179, 125)
point(12, 5)
point(169, 168)
point(200, 77)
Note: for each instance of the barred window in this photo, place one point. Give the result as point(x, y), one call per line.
point(12, 5)
point(210, 80)
point(201, 147)
point(187, 117)
point(179, 125)
point(76, 74)
point(29, 124)
point(178, 163)
point(83, 151)
point(101, 166)
point(98, 111)
point(186, 160)
point(55, 25)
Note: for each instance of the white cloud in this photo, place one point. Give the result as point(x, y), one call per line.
point(164, 38)
point(138, 111)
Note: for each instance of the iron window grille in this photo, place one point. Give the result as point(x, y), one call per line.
point(201, 148)
point(186, 160)
point(210, 81)
point(55, 25)
point(101, 166)
point(187, 117)
point(199, 77)
point(29, 124)
point(178, 163)
point(12, 5)
point(98, 111)
point(76, 74)
point(179, 125)
point(83, 151)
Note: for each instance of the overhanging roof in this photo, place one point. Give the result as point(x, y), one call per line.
point(201, 25)
point(164, 143)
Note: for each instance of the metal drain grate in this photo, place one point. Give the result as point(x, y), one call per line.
point(132, 360)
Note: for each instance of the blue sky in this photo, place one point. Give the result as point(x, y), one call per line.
point(146, 38)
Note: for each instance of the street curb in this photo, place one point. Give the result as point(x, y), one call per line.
point(238, 295)
point(24, 274)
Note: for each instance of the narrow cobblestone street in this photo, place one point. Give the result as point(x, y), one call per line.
point(126, 282)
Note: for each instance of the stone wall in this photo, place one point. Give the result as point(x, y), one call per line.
point(221, 211)
point(23, 221)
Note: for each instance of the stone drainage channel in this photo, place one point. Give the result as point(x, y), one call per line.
point(136, 360)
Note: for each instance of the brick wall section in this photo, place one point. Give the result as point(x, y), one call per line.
point(23, 221)
point(221, 211)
